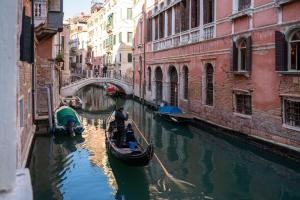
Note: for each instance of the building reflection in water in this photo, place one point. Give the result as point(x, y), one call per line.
point(219, 167)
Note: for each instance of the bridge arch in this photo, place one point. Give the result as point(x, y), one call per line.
point(71, 89)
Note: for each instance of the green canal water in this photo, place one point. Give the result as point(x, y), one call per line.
point(203, 163)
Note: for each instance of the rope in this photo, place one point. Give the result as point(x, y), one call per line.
point(177, 181)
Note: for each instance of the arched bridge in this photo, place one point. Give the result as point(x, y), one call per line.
point(121, 82)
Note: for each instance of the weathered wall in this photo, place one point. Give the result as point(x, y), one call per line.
point(263, 83)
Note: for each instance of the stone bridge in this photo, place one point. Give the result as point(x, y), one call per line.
point(121, 82)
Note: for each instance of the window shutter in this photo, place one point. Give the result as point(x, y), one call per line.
point(26, 45)
point(234, 57)
point(249, 54)
point(280, 52)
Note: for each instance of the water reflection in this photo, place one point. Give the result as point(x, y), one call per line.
point(217, 167)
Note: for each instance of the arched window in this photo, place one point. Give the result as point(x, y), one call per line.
point(173, 86)
point(185, 82)
point(149, 78)
point(295, 51)
point(242, 57)
point(209, 85)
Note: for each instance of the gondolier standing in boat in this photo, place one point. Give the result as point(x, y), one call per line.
point(120, 119)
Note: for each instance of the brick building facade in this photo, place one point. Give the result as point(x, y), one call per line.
point(234, 64)
point(25, 126)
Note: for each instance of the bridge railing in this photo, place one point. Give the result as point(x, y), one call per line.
point(74, 78)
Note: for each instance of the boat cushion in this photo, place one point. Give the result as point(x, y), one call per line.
point(169, 109)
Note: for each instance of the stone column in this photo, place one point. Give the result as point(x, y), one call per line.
point(8, 100)
point(173, 20)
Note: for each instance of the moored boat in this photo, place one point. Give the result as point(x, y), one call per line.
point(137, 156)
point(66, 121)
point(74, 102)
point(174, 114)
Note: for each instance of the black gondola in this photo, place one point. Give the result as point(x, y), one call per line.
point(138, 157)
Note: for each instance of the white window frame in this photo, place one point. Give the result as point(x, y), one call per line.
point(285, 125)
point(240, 55)
point(289, 51)
point(38, 9)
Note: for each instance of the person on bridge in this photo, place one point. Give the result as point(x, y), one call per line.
point(120, 119)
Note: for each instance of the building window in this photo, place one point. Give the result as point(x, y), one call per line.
point(149, 29)
point(149, 78)
point(295, 51)
point(129, 57)
point(120, 57)
point(114, 39)
point(29, 103)
point(242, 55)
point(195, 13)
point(21, 113)
point(161, 25)
point(208, 15)
point(209, 85)
point(177, 18)
point(291, 112)
point(80, 59)
point(185, 82)
point(129, 37)
point(184, 7)
point(129, 13)
point(243, 104)
point(169, 13)
point(37, 9)
point(120, 37)
point(244, 4)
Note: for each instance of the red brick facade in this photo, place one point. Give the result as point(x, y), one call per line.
point(266, 87)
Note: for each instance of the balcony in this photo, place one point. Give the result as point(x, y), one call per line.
point(188, 37)
point(55, 20)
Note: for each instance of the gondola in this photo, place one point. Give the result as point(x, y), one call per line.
point(134, 157)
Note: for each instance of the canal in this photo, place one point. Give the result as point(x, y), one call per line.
point(203, 164)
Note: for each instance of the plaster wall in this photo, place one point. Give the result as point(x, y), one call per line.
point(263, 83)
point(8, 71)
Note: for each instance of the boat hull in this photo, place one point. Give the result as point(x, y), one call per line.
point(138, 157)
point(60, 122)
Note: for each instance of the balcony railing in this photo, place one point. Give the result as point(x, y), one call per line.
point(184, 38)
point(55, 19)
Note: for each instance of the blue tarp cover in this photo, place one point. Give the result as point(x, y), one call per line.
point(170, 109)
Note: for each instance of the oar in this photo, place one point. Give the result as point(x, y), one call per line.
point(175, 180)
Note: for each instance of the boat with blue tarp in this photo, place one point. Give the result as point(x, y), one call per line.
point(67, 121)
point(174, 114)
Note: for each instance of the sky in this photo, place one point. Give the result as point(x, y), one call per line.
point(75, 7)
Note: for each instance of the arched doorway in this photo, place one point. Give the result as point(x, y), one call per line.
point(173, 86)
point(158, 84)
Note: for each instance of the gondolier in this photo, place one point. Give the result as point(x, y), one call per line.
point(120, 119)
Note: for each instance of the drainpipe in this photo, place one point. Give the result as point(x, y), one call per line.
point(33, 64)
point(144, 74)
point(133, 81)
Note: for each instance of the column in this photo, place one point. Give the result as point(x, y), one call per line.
point(166, 24)
point(173, 20)
point(8, 102)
